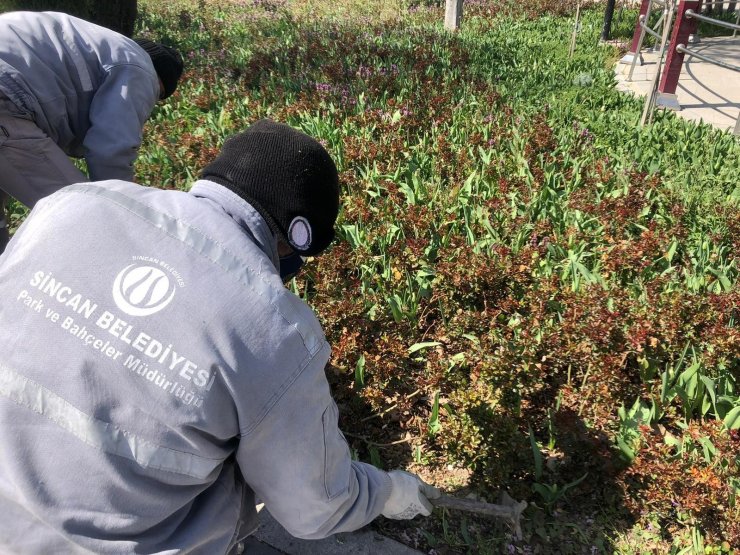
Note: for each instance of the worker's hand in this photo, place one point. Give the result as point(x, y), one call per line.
point(409, 497)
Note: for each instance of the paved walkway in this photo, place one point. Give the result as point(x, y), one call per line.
point(272, 539)
point(705, 91)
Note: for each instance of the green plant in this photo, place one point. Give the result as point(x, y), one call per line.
point(630, 421)
point(360, 372)
point(511, 249)
point(550, 494)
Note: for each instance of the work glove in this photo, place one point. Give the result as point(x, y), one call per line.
point(410, 496)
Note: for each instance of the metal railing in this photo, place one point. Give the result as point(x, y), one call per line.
point(735, 7)
point(649, 108)
point(664, 21)
point(664, 93)
point(709, 59)
point(713, 21)
point(682, 48)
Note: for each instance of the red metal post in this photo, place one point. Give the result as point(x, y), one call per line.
point(638, 29)
point(683, 27)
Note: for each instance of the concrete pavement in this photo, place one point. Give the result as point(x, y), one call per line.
point(272, 539)
point(705, 91)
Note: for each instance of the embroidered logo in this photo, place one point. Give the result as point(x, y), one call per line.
point(142, 290)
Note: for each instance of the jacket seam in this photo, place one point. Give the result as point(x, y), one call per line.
point(332, 407)
point(279, 394)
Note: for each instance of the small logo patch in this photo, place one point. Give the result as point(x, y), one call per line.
point(142, 290)
point(299, 233)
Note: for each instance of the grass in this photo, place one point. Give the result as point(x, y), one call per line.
point(543, 296)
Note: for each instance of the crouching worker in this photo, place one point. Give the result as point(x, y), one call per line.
point(71, 88)
point(156, 375)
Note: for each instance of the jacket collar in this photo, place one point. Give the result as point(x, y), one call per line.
point(242, 213)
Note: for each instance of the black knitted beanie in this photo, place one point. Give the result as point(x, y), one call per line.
point(167, 63)
point(288, 177)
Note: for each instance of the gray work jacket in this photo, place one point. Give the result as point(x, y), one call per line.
point(87, 87)
point(155, 375)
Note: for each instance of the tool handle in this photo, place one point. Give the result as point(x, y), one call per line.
point(472, 506)
point(511, 511)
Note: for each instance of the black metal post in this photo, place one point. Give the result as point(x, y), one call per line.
point(608, 15)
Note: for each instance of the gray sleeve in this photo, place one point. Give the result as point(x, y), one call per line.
point(298, 462)
point(118, 111)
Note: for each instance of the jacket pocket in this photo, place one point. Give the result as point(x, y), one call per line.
point(337, 460)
